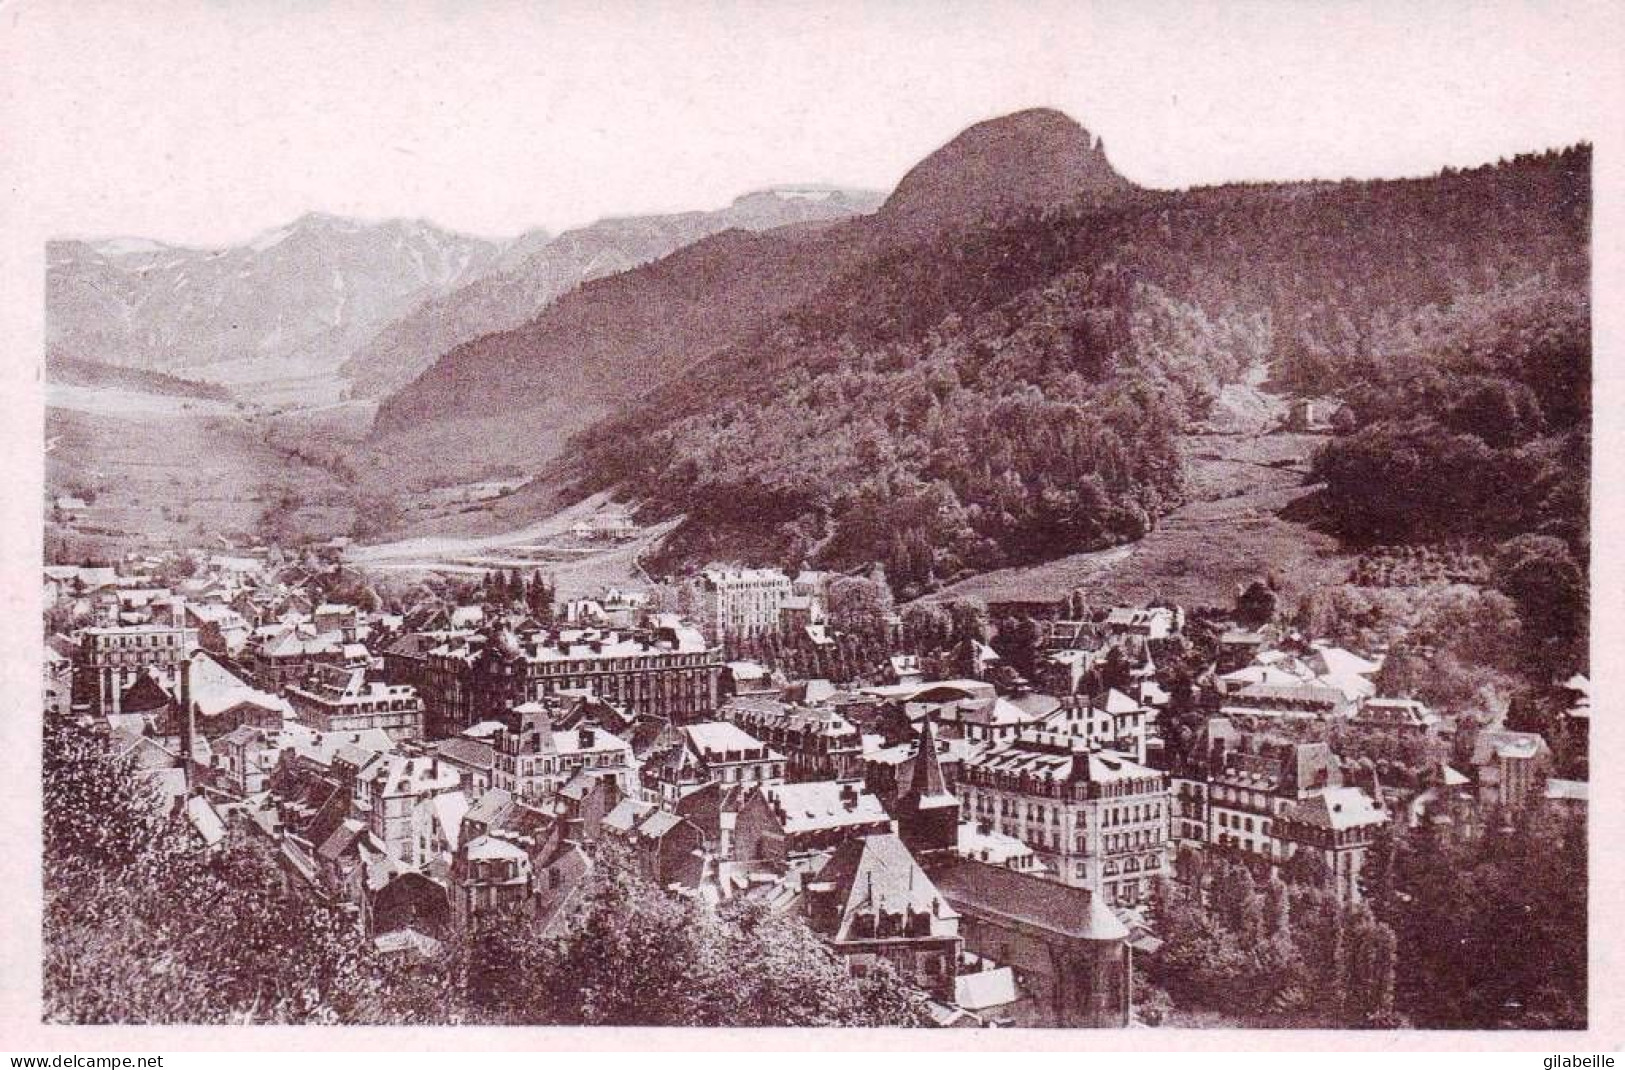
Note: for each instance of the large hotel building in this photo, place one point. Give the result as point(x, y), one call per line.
point(1096, 818)
point(111, 660)
point(667, 671)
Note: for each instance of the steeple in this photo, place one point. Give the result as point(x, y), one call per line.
point(928, 813)
point(927, 779)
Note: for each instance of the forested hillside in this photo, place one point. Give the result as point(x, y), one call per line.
point(614, 340)
point(981, 399)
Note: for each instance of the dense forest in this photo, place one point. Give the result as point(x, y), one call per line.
point(1014, 393)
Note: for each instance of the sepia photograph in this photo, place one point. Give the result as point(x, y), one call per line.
point(867, 516)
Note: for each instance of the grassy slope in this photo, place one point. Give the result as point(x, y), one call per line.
point(158, 477)
point(1244, 521)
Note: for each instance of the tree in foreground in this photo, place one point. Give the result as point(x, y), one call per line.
point(142, 925)
point(635, 955)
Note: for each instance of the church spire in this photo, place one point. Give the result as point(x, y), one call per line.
point(927, 779)
point(928, 813)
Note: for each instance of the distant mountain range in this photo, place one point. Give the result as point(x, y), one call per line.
point(626, 335)
point(303, 296)
point(532, 272)
point(356, 308)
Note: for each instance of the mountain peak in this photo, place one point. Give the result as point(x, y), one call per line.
point(1019, 162)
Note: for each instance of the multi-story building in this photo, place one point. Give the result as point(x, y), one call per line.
point(390, 791)
point(873, 903)
point(336, 699)
point(779, 822)
point(667, 671)
point(815, 586)
point(818, 742)
point(1336, 827)
point(490, 873)
point(1511, 768)
point(109, 661)
point(446, 672)
point(712, 752)
point(1302, 700)
point(534, 762)
point(1233, 789)
point(1096, 818)
point(1116, 722)
point(1156, 622)
point(741, 601)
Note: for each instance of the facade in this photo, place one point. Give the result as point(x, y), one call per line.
point(741, 601)
point(389, 791)
point(243, 760)
point(1290, 700)
point(1511, 768)
point(1096, 818)
point(335, 699)
point(1116, 722)
point(221, 701)
point(665, 672)
point(669, 848)
point(490, 872)
point(1157, 622)
point(1335, 826)
point(1070, 951)
point(110, 661)
point(713, 752)
point(1405, 715)
point(871, 902)
point(818, 742)
point(534, 762)
point(1234, 793)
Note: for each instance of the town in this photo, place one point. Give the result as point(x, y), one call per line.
point(1051, 813)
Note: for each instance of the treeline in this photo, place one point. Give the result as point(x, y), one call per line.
point(1492, 930)
point(1271, 952)
point(144, 925)
point(1479, 426)
point(1014, 394)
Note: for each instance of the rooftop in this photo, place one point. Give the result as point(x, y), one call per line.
point(995, 891)
point(823, 804)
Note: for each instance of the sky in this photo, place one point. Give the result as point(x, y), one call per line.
point(206, 121)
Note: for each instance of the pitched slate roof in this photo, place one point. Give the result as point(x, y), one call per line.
point(1499, 743)
point(823, 804)
point(627, 814)
point(1337, 809)
point(490, 809)
point(470, 752)
point(996, 892)
point(928, 785)
point(877, 875)
point(214, 689)
point(145, 695)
